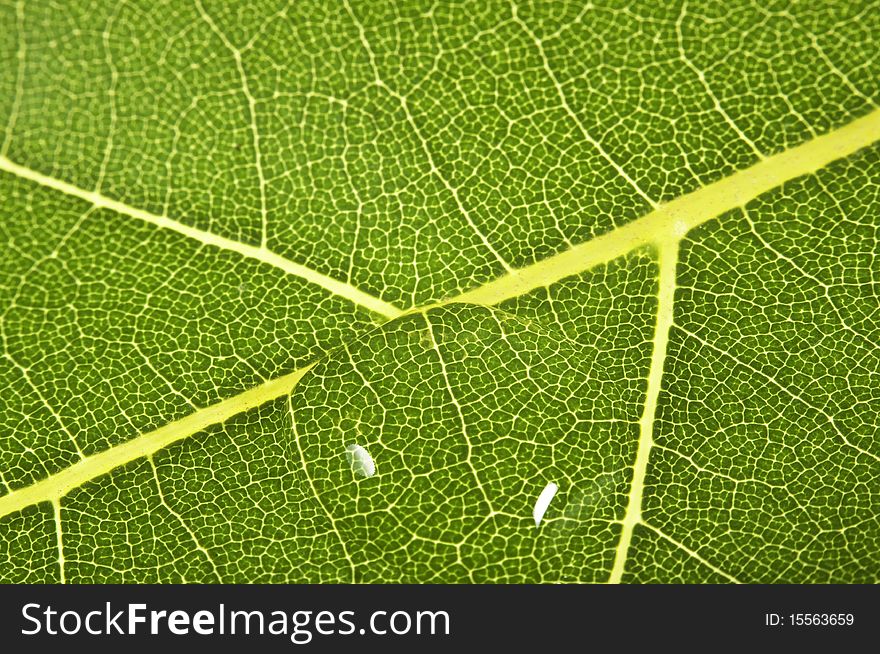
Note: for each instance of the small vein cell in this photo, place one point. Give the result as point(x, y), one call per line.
point(361, 462)
point(543, 502)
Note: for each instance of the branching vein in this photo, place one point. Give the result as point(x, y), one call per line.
point(668, 256)
point(662, 228)
point(260, 254)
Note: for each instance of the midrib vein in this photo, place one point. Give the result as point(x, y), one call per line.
point(56, 486)
point(261, 254)
point(663, 228)
point(679, 216)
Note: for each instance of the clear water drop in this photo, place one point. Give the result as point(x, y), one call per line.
point(361, 462)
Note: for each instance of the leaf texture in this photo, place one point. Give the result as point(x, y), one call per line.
point(630, 250)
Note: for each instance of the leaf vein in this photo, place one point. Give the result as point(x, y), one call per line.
point(261, 254)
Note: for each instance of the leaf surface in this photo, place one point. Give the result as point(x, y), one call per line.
point(632, 251)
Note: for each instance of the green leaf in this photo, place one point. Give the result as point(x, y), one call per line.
point(332, 292)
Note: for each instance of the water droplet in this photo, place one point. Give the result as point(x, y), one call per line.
point(360, 461)
point(543, 502)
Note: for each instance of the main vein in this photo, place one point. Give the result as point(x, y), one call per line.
point(56, 486)
point(681, 215)
point(662, 227)
point(262, 254)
